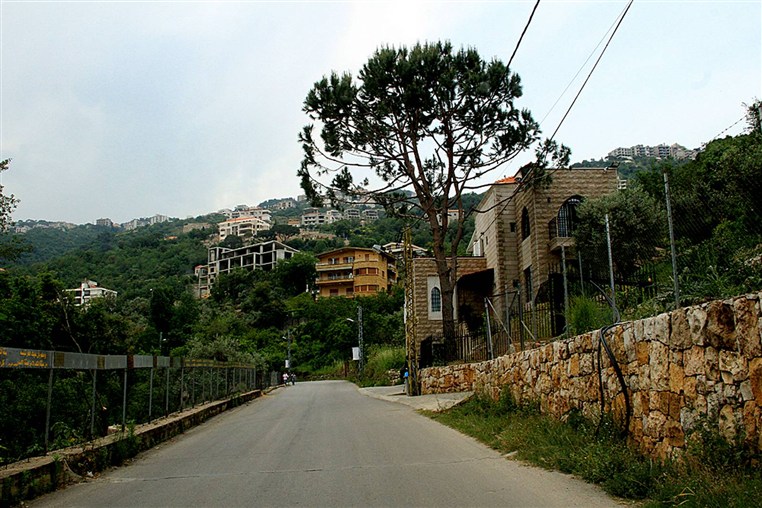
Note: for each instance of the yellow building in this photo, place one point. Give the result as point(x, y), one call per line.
point(355, 271)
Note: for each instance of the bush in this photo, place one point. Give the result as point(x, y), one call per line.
point(586, 314)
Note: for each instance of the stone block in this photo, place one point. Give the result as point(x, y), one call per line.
point(748, 323)
point(573, 366)
point(693, 360)
point(659, 366)
point(654, 424)
point(734, 363)
point(642, 351)
point(728, 425)
point(752, 421)
point(628, 342)
point(661, 328)
point(721, 326)
point(711, 364)
point(689, 389)
point(676, 378)
point(755, 379)
point(697, 323)
point(680, 331)
point(674, 434)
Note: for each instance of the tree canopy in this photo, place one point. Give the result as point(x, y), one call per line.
point(417, 129)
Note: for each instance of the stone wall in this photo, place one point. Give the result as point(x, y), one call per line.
point(701, 363)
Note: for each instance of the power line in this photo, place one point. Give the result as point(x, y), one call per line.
point(621, 18)
point(522, 33)
point(524, 182)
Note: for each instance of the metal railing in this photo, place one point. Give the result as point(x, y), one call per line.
point(53, 399)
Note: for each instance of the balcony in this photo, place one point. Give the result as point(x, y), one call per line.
point(324, 267)
point(338, 278)
point(557, 233)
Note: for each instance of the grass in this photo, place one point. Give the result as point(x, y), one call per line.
point(712, 472)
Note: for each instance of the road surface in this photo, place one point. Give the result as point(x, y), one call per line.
point(324, 444)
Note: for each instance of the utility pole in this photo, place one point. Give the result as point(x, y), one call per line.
point(611, 261)
point(360, 339)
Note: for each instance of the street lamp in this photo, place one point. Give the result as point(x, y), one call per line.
point(361, 365)
point(287, 338)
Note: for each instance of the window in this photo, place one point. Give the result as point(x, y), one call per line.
point(334, 292)
point(567, 216)
point(528, 283)
point(525, 227)
point(436, 300)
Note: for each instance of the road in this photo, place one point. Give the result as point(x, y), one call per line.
point(325, 444)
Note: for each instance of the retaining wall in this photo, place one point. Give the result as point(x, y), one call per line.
point(700, 363)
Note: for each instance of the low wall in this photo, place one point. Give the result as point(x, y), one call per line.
point(700, 363)
point(36, 476)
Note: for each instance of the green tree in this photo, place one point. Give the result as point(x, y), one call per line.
point(232, 242)
point(297, 274)
point(422, 122)
point(637, 224)
point(11, 246)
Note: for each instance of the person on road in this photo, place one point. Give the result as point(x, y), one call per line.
point(285, 378)
point(293, 379)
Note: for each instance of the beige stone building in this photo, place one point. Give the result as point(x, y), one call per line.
point(521, 242)
point(353, 271)
point(525, 232)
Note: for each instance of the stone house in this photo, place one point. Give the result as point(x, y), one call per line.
point(525, 234)
point(521, 242)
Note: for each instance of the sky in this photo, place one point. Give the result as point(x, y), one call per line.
point(127, 109)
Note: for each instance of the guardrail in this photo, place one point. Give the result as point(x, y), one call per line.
point(83, 392)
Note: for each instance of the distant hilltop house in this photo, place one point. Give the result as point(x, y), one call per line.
point(243, 227)
point(259, 256)
point(104, 222)
point(316, 217)
point(24, 226)
point(659, 151)
point(137, 223)
point(89, 290)
point(397, 249)
point(279, 204)
point(354, 271)
point(519, 249)
point(241, 211)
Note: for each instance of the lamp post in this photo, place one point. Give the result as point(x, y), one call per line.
point(287, 338)
point(361, 363)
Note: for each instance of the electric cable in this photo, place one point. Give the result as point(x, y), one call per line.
point(522, 34)
point(614, 363)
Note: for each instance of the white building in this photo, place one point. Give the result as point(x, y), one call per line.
point(89, 290)
point(250, 211)
point(260, 256)
point(313, 217)
point(244, 227)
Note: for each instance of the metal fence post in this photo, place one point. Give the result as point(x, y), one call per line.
point(150, 396)
point(124, 401)
point(92, 406)
point(166, 395)
point(182, 388)
point(47, 410)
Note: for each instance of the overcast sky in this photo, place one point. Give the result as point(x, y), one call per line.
point(128, 109)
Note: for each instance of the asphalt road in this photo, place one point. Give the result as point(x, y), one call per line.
point(325, 444)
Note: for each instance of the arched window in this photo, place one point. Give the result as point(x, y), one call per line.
point(567, 216)
point(525, 227)
point(436, 300)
